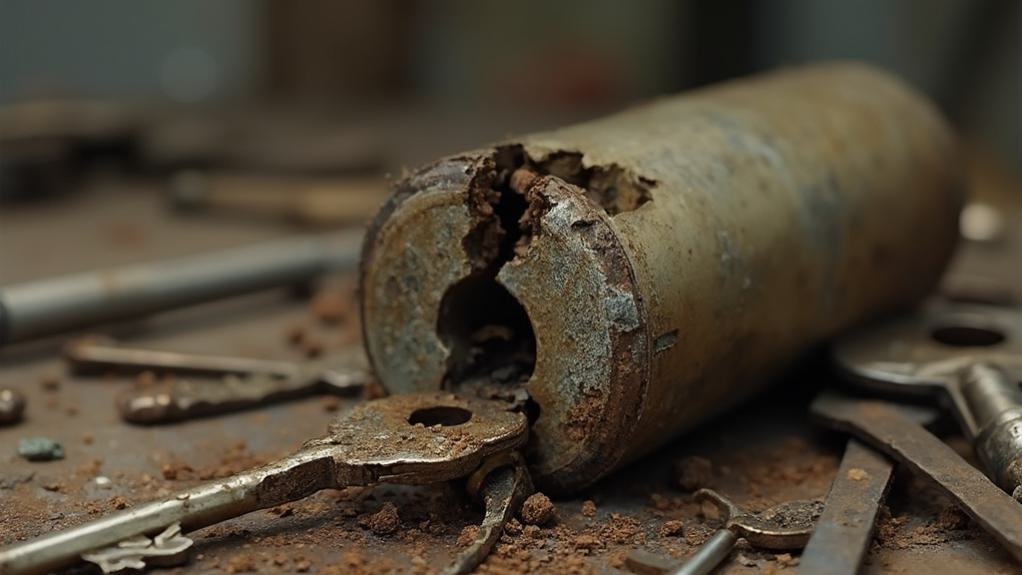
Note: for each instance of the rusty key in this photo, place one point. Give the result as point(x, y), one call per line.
point(782, 527)
point(409, 439)
point(245, 383)
point(969, 356)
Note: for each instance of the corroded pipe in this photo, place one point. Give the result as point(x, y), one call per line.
point(640, 273)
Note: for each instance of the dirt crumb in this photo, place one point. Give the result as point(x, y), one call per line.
point(331, 307)
point(468, 535)
point(312, 348)
point(50, 383)
point(857, 474)
point(240, 564)
point(119, 503)
point(521, 179)
point(537, 509)
point(693, 472)
point(589, 508)
point(672, 528)
point(295, 334)
point(384, 522)
point(786, 560)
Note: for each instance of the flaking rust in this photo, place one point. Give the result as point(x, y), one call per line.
point(640, 273)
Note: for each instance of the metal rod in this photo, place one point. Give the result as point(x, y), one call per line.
point(45, 307)
point(707, 557)
point(844, 531)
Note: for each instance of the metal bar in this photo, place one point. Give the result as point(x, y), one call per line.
point(88, 356)
point(55, 305)
point(843, 533)
point(707, 557)
point(889, 430)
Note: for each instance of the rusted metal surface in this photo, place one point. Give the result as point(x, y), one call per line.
point(667, 261)
point(968, 356)
point(887, 429)
point(502, 490)
point(844, 531)
point(244, 382)
point(409, 439)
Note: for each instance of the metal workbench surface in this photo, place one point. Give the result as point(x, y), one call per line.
point(760, 455)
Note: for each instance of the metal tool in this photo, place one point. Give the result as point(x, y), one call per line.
point(888, 429)
point(245, 382)
point(845, 528)
point(842, 535)
point(12, 405)
point(410, 439)
point(648, 270)
point(782, 527)
point(970, 356)
point(45, 307)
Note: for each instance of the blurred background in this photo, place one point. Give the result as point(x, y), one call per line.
point(275, 109)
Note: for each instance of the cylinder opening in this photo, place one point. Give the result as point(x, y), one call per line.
point(487, 332)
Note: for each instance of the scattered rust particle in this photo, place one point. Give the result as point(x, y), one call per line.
point(88, 439)
point(332, 306)
point(303, 565)
point(513, 527)
point(243, 563)
point(858, 474)
point(384, 522)
point(312, 348)
point(786, 560)
point(281, 510)
point(589, 508)
point(53, 486)
point(672, 528)
point(50, 383)
point(146, 379)
point(373, 390)
point(537, 510)
point(176, 470)
point(521, 179)
point(119, 503)
point(468, 535)
point(71, 410)
point(331, 404)
point(693, 472)
point(295, 334)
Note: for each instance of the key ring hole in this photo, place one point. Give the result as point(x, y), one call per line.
point(967, 336)
point(444, 415)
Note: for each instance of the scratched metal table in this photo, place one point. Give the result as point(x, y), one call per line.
point(761, 455)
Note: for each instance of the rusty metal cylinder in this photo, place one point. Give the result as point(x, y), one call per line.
point(641, 273)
